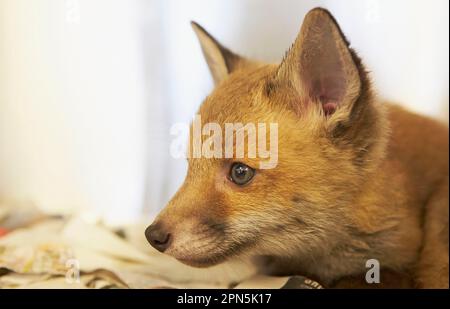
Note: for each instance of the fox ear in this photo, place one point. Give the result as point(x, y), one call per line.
point(221, 61)
point(320, 66)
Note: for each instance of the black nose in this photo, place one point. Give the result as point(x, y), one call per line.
point(158, 237)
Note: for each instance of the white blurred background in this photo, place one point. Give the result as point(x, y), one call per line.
point(89, 88)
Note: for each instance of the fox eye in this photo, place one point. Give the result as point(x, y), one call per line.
point(241, 174)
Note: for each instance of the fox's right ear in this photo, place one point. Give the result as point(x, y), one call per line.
point(221, 61)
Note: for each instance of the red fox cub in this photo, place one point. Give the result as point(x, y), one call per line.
point(354, 179)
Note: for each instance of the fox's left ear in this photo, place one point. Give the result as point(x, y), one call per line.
point(320, 66)
point(221, 60)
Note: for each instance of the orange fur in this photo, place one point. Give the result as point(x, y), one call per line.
point(369, 181)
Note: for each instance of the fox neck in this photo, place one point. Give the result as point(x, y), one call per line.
point(382, 226)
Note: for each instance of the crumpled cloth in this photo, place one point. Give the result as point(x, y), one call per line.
point(61, 253)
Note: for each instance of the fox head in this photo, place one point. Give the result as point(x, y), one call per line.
point(330, 137)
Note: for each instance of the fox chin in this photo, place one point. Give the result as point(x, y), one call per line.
point(356, 179)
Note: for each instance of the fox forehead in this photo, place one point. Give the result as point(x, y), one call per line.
point(246, 97)
point(239, 98)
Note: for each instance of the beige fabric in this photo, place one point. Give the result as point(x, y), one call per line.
point(46, 255)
